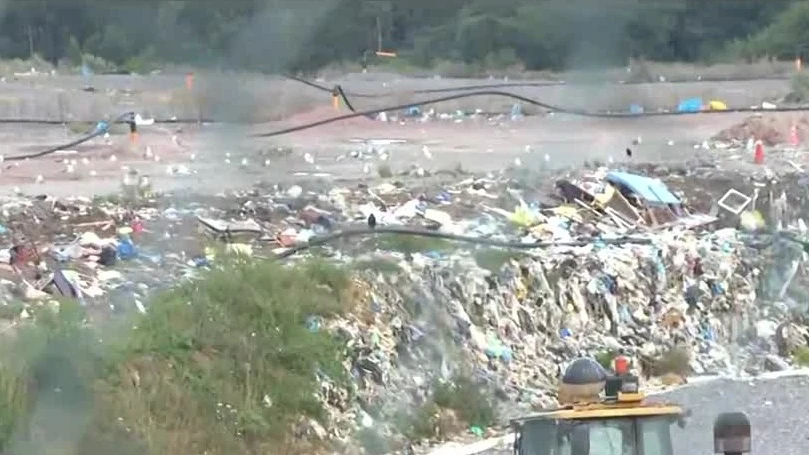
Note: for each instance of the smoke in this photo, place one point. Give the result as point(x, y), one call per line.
point(56, 360)
point(600, 36)
point(273, 39)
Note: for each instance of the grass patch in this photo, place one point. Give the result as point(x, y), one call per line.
point(676, 360)
point(412, 243)
point(467, 399)
point(377, 265)
point(452, 407)
point(373, 442)
point(11, 310)
point(799, 88)
point(226, 364)
point(604, 358)
point(801, 356)
point(235, 351)
point(421, 424)
point(493, 259)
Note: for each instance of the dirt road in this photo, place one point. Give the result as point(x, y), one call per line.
point(473, 144)
point(239, 97)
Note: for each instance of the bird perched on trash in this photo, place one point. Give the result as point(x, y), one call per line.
point(628, 152)
point(371, 221)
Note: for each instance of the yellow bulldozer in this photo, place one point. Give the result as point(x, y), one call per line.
point(602, 414)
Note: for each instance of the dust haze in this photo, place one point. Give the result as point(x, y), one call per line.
point(268, 42)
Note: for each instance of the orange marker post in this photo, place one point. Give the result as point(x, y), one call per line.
point(189, 81)
point(758, 155)
point(133, 132)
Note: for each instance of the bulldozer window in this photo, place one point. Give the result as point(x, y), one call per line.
point(642, 436)
point(612, 437)
point(655, 436)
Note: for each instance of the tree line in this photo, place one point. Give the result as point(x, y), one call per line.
point(288, 35)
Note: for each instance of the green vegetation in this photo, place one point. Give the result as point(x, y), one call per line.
point(676, 360)
point(604, 358)
point(228, 364)
point(373, 442)
point(454, 405)
point(467, 398)
point(377, 265)
point(453, 37)
point(801, 356)
point(413, 243)
point(800, 88)
point(493, 259)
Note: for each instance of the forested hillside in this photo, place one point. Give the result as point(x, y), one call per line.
point(273, 35)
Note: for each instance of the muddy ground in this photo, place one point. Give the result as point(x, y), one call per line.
point(473, 144)
point(264, 98)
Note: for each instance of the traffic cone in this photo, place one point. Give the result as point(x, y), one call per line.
point(758, 155)
point(793, 136)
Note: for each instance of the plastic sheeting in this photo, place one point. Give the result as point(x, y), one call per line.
point(651, 190)
point(690, 105)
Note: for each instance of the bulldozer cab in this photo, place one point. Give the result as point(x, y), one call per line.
point(599, 415)
point(602, 414)
point(598, 430)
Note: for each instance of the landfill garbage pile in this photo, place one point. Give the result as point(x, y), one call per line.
point(518, 326)
point(429, 313)
point(689, 288)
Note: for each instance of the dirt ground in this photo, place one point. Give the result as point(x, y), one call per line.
point(235, 97)
point(218, 157)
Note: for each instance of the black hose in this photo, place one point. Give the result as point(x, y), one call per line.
point(402, 230)
point(127, 117)
point(502, 85)
point(33, 121)
point(577, 112)
point(323, 88)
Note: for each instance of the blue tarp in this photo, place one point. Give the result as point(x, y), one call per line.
point(690, 105)
point(651, 190)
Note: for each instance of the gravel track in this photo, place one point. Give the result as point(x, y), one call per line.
point(776, 408)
